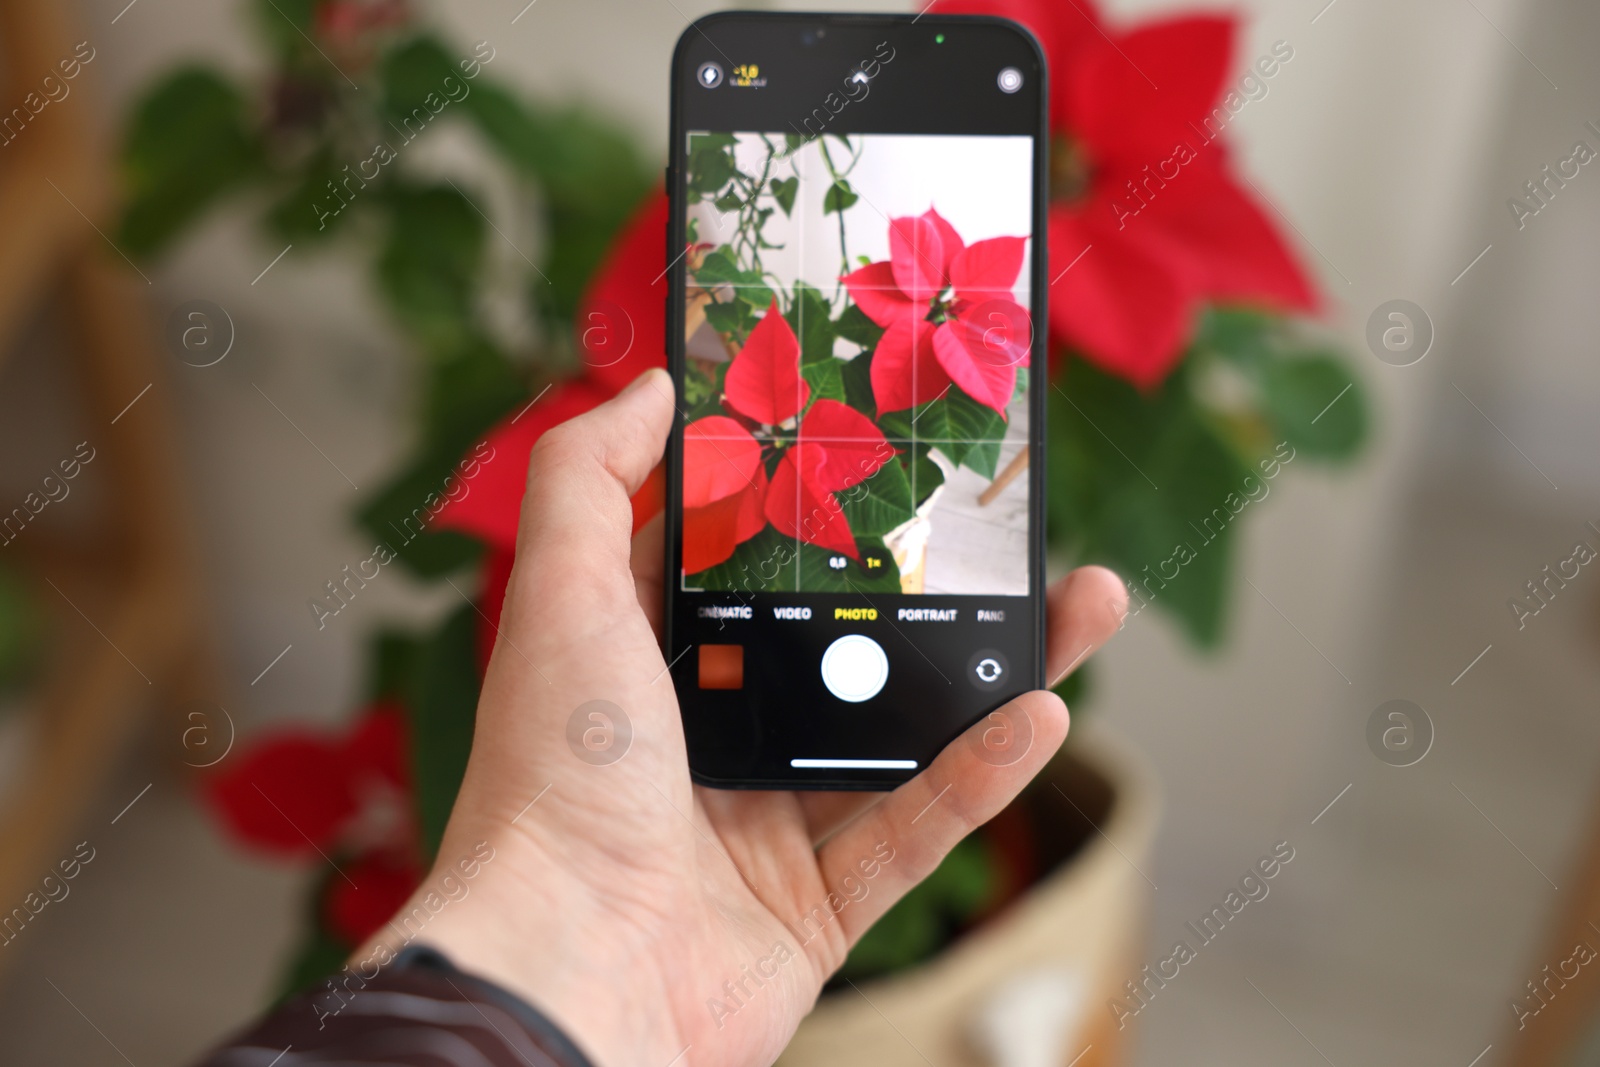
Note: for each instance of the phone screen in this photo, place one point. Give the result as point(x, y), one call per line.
point(855, 543)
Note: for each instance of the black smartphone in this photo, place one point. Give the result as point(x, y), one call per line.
point(855, 478)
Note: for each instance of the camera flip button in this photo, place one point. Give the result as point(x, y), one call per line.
point(855, 668)
point(988, 669)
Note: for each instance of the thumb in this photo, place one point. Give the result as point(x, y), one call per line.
point(581, 475)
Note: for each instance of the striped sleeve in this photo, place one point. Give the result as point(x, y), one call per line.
point(419, 1011)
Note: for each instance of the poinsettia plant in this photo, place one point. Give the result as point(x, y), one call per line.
point(1178, 369)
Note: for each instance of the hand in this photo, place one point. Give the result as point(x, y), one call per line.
point(643, 914)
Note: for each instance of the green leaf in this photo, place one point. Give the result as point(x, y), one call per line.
point(1134, 479)
point(441, 709)
point(924, 474)
point(1241, 335)
point(465, 394)
point(711, 164)
point(312, 210)
point(783, 191)
point(398, 517)
point(982, 457)
point(839, 197)
point(878, 504)
point(391, 655)
point(825, 378)
point(757, 296)
point(591, 179)
point(970, 420)
point(809, 317)
point(853, 325)
point(190, 143)
point(718, 268)
point(430, 267)
point(856, 374)
point(929, 421)
point(732, 317)
point(408, 75)
point(1317, 405)
point(975, 429)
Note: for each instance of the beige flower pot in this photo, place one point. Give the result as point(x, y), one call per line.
point(1029, 988)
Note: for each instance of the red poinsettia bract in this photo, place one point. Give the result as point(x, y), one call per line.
point(763, 382)
point(838, 448)
point(306, 794)
point(982, 335)
point(724, 491)
point(1147, 222)
point(727, 496)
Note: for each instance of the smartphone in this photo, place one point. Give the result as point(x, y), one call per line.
point(855, 477)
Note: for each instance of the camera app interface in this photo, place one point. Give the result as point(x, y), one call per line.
point(856, 386)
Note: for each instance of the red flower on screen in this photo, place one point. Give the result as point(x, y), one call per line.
point(1147, 222)
point(763, 381)
point(724, 490)
point(838, 448)
point(727, 495)
point(948, 313)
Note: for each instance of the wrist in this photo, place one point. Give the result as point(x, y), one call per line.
point(514, 923)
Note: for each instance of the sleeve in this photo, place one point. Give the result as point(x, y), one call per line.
point(419, 1011)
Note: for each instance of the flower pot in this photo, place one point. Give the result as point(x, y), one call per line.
point(1029, 987)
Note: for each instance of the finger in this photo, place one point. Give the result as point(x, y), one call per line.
point(825, 813)
point(1084, 609)
point(649, 566)
point(582, 474)
point(898, 843)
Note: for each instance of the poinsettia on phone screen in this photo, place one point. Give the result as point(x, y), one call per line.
point(728, 497)
point(838, 448)
point(724, 490)
point(948, 312)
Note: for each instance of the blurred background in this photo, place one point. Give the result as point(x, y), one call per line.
point(1425, 902)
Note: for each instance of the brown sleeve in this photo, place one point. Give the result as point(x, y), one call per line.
point(419, 1011)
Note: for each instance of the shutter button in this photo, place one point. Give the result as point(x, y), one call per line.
point(855, 668)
